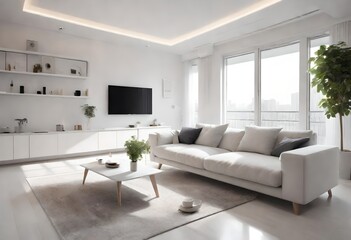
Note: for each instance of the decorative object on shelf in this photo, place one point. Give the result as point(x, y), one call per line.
point(332, 77)
point(21, 122)
point(60, 128)
point(44, 90)
point(135, 150)
point(89, 112)
point(77, 93)
point(154, 123)
point(38, 92)
point(137, 124)
point(11, 86)
point(37, 68)
point(8, 67)
point(32, 46)
point(48, 64)
point(21, 89)
point(86, 93)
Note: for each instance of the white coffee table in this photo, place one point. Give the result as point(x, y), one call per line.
point(122, 173)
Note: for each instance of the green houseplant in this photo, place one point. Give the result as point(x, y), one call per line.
point(89, 112)
point(332, 77)
point(135, 150)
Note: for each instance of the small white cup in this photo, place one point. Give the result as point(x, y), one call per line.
point(188, 202)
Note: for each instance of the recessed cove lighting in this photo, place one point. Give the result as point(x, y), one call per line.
point(29, 7)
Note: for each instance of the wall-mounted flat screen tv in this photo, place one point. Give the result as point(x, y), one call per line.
point(129, 100)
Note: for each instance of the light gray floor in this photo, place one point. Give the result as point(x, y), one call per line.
point(21, 216)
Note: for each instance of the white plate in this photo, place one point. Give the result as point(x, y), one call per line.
point(196, 206)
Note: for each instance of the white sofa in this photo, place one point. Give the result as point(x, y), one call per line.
point(300, 175)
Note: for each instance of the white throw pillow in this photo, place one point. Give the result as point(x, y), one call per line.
point(231, 139)
point(210, 135)
point(259, 139)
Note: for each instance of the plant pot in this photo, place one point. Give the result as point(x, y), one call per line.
point(133, 166)
point(345, 165)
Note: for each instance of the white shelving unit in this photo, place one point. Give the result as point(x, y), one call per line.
point(43, 74)
point(43, 95)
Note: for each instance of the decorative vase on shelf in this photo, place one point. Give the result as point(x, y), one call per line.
point(133, 166)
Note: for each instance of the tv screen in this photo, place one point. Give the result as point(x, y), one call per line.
point(129, 100)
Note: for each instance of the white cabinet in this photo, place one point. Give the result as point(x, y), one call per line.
point(144, 132)
point(21, 146)
point(124, 135)
point(107, 140)
point(78, 142)
point(6, 148)
point(43, 145)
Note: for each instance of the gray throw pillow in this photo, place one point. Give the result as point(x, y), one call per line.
point(189, 135)
point(288, 144)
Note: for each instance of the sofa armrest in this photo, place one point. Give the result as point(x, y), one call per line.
point(308, 172)
point(161, 138)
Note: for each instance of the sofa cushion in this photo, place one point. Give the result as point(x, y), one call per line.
point(296, 134)
point(189, 135)
point(191, 155)
point(288, 144)
point(259, 139)
point(210, 135)
point(253, 167)
point(231, 139)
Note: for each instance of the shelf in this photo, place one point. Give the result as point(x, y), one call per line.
point(43, 74)
point(42, 95)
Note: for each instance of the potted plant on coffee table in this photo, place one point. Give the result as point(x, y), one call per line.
point(135, 150)
point(332, 77)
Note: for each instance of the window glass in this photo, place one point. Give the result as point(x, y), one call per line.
point(240, 82)
point(280, 87)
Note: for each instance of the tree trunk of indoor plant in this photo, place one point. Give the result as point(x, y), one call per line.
point(133, 166)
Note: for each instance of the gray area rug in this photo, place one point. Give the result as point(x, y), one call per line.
point(91, 211)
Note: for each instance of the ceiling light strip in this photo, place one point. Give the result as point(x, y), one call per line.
point(30, 8)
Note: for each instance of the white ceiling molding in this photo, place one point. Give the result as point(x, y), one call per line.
point(29, 7)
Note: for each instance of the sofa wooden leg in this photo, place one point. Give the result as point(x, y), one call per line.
point(159, 165)
point(330, 194)
point(296, 208)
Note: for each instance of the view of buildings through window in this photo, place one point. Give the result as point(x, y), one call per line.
point(279, 89)
point(240, 75)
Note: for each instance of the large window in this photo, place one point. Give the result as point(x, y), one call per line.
point(240, 82)
point(280, 87)
point(317, 116)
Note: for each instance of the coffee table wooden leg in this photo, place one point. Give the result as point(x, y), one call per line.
point(119, 193)
point(85, 175)
point(154, 185)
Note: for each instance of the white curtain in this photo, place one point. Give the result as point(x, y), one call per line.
point(190, 114)
point(339, 33)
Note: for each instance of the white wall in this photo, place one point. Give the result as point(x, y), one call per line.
point(113, 64)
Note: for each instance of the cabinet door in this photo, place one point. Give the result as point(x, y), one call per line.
point(21, 147)
point(107, 140)
point(43, 145)
point(6, 148)
point(79, 142)
point(124, 135)
point(143, 133)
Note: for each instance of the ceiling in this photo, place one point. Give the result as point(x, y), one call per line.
point(178, 26)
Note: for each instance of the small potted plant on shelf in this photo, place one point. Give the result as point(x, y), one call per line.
point(21, 122)
point(89, 112)
point(332, 77)
point(135, 150)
